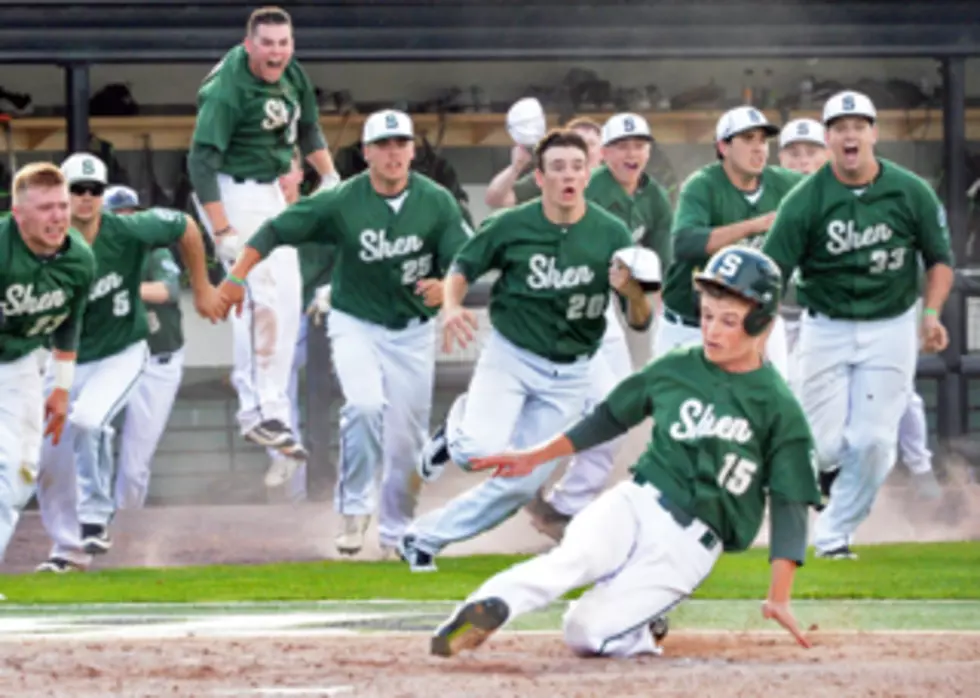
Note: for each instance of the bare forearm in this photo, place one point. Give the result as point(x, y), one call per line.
point(321, 162)
point(639, 310)
point(730, 234)
point(559, 447)
point(939, 282)
point(500, 192)
point(246, 260)
point(192, 252)
point(217, 218)
point(155, 292)
point(454, 291)
point(781, 583)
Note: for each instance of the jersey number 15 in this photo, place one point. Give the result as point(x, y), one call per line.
point(736, 474)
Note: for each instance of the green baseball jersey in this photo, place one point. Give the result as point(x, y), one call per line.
point(116, 317)
point(42, 298)
point(254, 125)
point(647, 213)
point(553, 287)
point(164, 319)
point(526, 188)
point(721, 442)
point(316, 262)
point(857, 249)
point(709, 200)
point(384, 246)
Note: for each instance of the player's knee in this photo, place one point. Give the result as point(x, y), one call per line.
point(83, 423)
point(580, 631)
point(828, 450)
point(363, 412)
point(874, 447)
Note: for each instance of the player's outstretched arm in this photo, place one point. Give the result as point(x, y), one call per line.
point(206, 299)
point(56, 405)
point(777, 604)
point(458, 323)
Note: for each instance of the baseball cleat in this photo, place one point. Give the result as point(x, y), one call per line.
point(842, 553)
point(57, 565)
point(469, 627)
point(351, 538)
point(546, 519)
point(659, 628)
point(435, 456)
point(926, 486)
point(273, 434)
point(95, 539)
point(418, 560)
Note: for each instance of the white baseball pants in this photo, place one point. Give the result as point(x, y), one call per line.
point(295, 487)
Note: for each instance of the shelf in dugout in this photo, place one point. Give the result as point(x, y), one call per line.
point(464, 130)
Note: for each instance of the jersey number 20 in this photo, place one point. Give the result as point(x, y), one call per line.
point(592, 307)
point(736, 474)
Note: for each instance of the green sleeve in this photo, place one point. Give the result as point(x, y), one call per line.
point(932, 230)
point(787, 530)
point(215, 125)
point(787, 238)
point(161, 266)
point(315, 267)
point(158, 227)
point(658, 237)
point(791, 461)
point(65, 337)
point(629, 403)
point(598, 427)
point(308, 220)
point(692, 221)
point(480, 253)
point(526, 188)
point(310, 136)
point(455, 232)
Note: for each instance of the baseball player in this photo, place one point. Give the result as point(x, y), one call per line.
point(112, 354)
point(621, 187)
point(396, 232)
point(509, 188)
point(148, 409)
point(855, 230)
point(548, 311)
point(727, 436)
point(803, 148)
point(732, 201)
point(46, 270)
point(254, 108)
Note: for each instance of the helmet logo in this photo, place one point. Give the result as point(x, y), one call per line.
point(729, 265)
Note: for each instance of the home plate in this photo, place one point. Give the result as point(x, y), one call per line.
point(289, 691)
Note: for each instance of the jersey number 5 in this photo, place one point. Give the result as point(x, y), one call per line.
point(736, 474)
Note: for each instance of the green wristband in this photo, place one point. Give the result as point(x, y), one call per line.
point(930, 311)
point(235, 280)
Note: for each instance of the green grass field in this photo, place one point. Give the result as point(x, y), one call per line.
point(942, 571)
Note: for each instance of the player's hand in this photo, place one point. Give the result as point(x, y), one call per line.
point(509, 464)
point(209, 304)
point(457, 324)
point(431, 291)
point(764, 222)
point(935, 338)
point(320, 305)
point(55, 414)
point(781, 613)
point(232, 296)
point(622, 281)
point(520, 157)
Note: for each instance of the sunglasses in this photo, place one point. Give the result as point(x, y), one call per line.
point(83, 188)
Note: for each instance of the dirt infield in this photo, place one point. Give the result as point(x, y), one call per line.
point(694, 664)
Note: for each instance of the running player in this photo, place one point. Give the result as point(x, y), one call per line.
point(854, 230)
point(46, 270)
point(254, 108)
point(396, 232)
point(112, 354)
point(555, 256)
point(727, 436)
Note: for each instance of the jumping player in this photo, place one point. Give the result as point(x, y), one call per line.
point(803, 149)
point(149, 406)
point(732, 201)
point(46, 270)
point(112, 354)
point(254, 108)
point(855, 230)
point(509, 188)
point(548, 311)
point(395, 232)
point(728, 435)
point(621, 186)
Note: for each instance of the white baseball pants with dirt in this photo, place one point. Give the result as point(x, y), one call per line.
point(147, 414)
point(672, 334)
point(588, 472)
point(639, 558)
point(21, 424)
point(386, 376)
point(265, 334)
point(515, 399)
point(855, 385)
point(75, 481)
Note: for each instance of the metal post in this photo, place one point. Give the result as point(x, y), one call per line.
point(77, 94)
point(952, 412)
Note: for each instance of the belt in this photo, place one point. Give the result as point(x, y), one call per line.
point(244, 180)
point(684, 520)
point(671, 316)
point(162, 359)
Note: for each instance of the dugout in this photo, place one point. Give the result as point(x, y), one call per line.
point(87, 41)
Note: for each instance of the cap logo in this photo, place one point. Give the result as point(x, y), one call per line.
point(391, 122)
point(847, 103)
point(88, 167)
point(803, 129)
point(755, 117)
point(629, 125)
